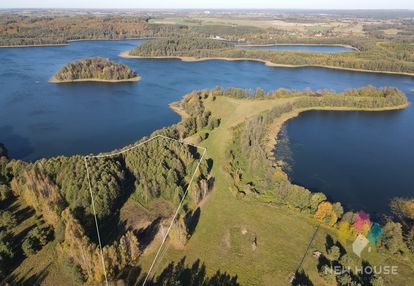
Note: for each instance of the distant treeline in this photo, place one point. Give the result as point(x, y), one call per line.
point(36, 30)
point(380, 51)
point(388, 56)
point(94, 68)
point(364, 97)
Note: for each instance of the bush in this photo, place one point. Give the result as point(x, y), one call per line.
point(30, 246)
point(36, 239)
point(203, 136)
point(334, 253)
point(7, 220)
point(4, 192)
point(214, 123)
point(73, 269)
point(6, 250)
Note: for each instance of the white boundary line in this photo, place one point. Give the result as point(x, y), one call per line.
point(175, 214)
point(173, 219)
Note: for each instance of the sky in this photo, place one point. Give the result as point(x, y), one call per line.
point(222, 4)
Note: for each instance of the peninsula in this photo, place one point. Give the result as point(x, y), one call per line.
point(197, 49)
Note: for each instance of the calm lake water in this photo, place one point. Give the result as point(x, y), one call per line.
point(304, 48)
point(39, 119)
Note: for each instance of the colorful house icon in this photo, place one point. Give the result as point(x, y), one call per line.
point(359, 244)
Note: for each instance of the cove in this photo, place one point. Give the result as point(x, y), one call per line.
point(358, 158)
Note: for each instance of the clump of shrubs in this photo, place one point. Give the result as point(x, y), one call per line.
point(36, 239)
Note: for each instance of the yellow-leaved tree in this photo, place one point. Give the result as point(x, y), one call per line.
point(344, 231)
point(326, 214)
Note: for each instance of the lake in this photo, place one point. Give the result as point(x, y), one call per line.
point(303, 48)
point(39, 119)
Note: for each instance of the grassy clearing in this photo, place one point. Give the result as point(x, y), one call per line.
point(43, 268)
point(224, 236)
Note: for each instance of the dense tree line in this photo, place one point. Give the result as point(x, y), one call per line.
point(177, 46)
point(403, 213)
point(94, 68)
point(7, 219)
point(18, 29)
point(364, 97)
point(389, 56)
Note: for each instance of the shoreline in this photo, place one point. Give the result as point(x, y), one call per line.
point(33, 46)
point(273, 130)
point(133, 79)
point(267, 63)
point(71, 41)
point(297, 44)
point(175, 106)
point(124, 39)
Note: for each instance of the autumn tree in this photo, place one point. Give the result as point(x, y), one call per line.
point(326, 214)
point(345, 231)
point(392, 239)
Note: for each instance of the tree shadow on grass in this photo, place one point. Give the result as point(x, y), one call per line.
point(191, 221)
point(147, 235)
point(301, 279)
point(329, 242)
point(190, 275)
point(28, 279)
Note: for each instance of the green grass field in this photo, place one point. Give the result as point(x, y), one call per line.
point(224, 236)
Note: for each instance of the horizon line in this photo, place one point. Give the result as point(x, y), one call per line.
point(211, 8)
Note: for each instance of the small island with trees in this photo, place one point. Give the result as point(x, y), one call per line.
point(95, 69)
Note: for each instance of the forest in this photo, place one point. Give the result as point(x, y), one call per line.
point(177, 46)
point(389, 56)
point(16, 29)
point(57, 190)
point(94, 68)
